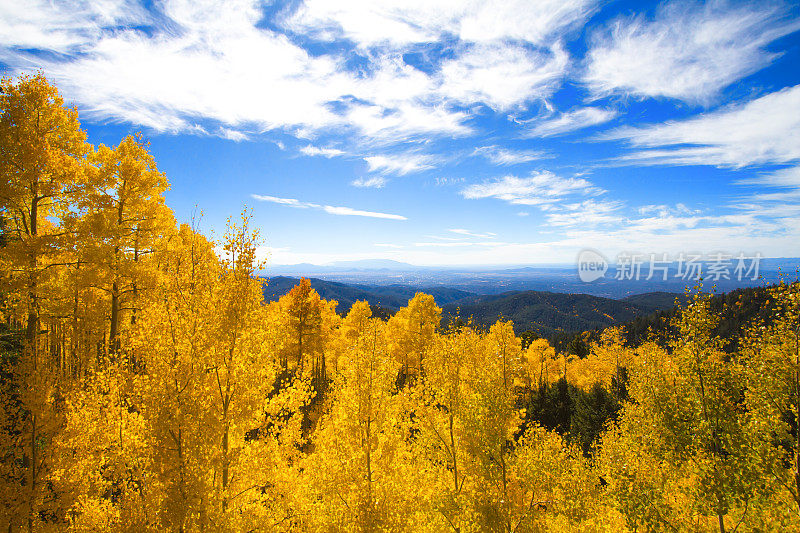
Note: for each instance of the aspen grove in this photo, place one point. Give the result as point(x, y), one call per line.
point(147, 386)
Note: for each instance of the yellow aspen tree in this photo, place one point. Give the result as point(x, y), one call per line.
point(361, 474)
point(308, 324)
point(492, 421)
point(439, 414)
point(771, 358)
point(507, 349)
point(552, 487)
point(606, 363)
point(257, 428)
point(412, 331)
point(41, 156)
point(640, 461)
point(540, 365)
point(347, 335)
point(685, 425)
point(103, 461)
point(125, 219)
point(174, 339)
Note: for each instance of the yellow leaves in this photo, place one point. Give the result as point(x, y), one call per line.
point(411, 331)
point(218, 413)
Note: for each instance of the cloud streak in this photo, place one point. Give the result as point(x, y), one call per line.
point(399, 164)
point(505, 157)
point(763, 131)
point(571, 121)
point(539, 189)
point(330, 209)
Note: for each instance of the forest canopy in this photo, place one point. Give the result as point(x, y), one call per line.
point(147, 386)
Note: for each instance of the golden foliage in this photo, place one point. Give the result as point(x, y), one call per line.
point(148, 387)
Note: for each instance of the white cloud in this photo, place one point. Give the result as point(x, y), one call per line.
point(689, 51)
point(540, 189)
point(178, 75)
point(375, 181)
point(348, 211)
point(63, 26)
point(570, 121)
point(181, 72)
point(503, 76)
point(468, 233)
point(587, 214)
point(405, 22)
point(400, 164)
point(312, 151)
point(785, 177)
point(763, 131)
point(291, 202)
point(503, 156)
point(331, 210)
point(233, 135)
point(663, 210)
point(460, 244)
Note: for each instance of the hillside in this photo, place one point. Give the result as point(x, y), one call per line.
point(544, 312)
point(389, 297)
point(656, 301)
point(548, 312)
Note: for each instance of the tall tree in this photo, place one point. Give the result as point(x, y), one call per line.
point(125, 220)
point(411, 331)
point(42, 149)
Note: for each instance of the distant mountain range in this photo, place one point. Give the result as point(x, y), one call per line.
point(551, 312)
point(390, 297)
point(544, 312)
point(369, 274)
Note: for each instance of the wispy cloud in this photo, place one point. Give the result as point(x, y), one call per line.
point(663, 210)
point(401, 23)
point(169, 65)
point(506, 157)
point(375, 182)
point(330, 209)
point(468, 233)
point(63, 26)
point(541, 188)
point(312, 151)
point(460, 244)
point(689, 51)
point(233, 135)
point(785, 177)
point(763, 131)
point(473, 76)
point(586, 214)
point(175, 73)
point(400, 164)
point(570, 121)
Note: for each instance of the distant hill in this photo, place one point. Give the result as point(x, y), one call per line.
point(547, 313)
point(656, 301)
point(550, 312)
point(389, 297)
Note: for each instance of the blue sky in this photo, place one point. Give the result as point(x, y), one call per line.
point(443, 132)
